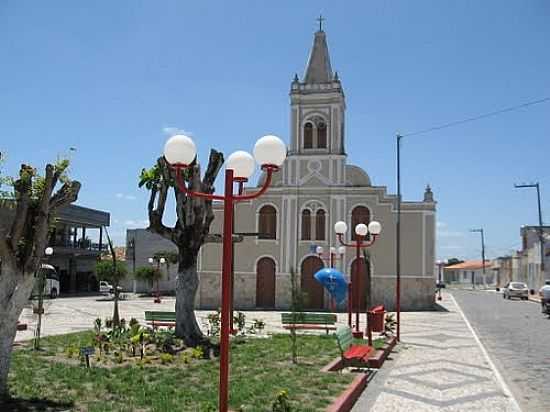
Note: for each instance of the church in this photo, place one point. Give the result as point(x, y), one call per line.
point(314, 189)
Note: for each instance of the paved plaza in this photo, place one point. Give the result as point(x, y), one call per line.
point(73, 314)
point(439, 366)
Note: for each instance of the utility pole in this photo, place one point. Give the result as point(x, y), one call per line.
point(480, 230)
point(398, 241)
point(541, 229)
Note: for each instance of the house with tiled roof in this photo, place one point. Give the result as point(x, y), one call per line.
point(470, 272)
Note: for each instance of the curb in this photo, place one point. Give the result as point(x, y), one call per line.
point(347, 399)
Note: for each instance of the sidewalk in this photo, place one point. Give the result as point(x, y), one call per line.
point(439, 366)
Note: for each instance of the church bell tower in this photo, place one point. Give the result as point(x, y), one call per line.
point(317, 113)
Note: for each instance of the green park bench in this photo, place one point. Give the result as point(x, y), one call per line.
point(156, 318)
point(352, 355)
point(322, 321)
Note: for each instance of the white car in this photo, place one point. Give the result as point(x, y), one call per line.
point(106, 287)
point(515, 290)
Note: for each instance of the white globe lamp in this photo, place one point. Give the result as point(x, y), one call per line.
point(341, 250)
point(180, 150)
point(340, 227)
point(269, 150)
point(242, 163)
point(319, 250)
point(162, 261)
point(48, 251)
point(375, 227)
point(361, 229)
point(332, 250)
point(151, 260)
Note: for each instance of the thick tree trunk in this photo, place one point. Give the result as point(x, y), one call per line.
point(187, 327)
point(12, 302)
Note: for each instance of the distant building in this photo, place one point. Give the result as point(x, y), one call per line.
point(470, 272)
point(530, 257)
point(315, 188)
point(75, 254)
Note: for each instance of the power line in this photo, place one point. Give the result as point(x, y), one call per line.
point(482, 116)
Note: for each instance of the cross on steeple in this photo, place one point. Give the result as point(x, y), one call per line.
point(320, 20)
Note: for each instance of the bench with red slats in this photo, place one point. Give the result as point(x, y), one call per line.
point(352, 355)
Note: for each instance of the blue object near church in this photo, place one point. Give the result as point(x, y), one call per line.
point(334, 282)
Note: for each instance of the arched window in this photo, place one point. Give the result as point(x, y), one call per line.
point(308, 136)
point(267, 225)
point(320, 225)
point(322, 135)
point(306, 225)
point(360, 214)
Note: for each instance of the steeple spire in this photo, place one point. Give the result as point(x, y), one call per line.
point(318, 69)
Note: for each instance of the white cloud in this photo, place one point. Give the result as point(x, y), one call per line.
point(450, 233)
point(133, 224)
point(441, 225)
point(171, 131)
point(125, 196)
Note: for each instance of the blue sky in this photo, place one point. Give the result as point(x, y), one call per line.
point(109, 78)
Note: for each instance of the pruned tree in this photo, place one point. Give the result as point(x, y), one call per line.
point(194, 217)
point(26, 214)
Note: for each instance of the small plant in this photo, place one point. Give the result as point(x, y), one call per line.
point(240, 320)
point(166, 358)
point(97, 326)
point(118, 358)
point(281, 402)
point(378, 343)
point(259, 325)
point(197, 353)
point(185, 357)
point(214, 323)
point(389, 325)
point(133, 322)
point(72, 351)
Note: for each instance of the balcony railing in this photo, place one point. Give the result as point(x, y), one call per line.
point(81, 244)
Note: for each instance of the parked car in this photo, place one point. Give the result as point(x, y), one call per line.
point(51, 285)
point(515, 290)
point(106, 287)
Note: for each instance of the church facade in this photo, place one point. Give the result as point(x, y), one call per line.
point(315, 188)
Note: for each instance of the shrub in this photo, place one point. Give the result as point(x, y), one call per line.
point(197, 353)
point(281, 402)
point(166, 358)
point(214, 323)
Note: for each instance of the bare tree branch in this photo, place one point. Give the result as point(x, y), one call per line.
point(215, 163)
point(65, 196)
point(23, 190)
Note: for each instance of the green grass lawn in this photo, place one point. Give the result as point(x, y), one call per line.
point(260, 368)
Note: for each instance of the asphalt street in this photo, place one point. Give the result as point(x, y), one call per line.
point(517, 336)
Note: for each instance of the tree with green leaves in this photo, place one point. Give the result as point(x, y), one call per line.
point(194, 217)
point(149, 274)
point(28, 206)
point(113, 272)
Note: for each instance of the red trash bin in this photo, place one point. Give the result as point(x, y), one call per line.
point(375, 318)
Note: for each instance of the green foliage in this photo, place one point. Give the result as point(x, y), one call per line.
point(148, 273)
point(389, 325)
point(150, 177)
point(105, 270)
point(214, 320)
point(281, 402)
point(197, 353)
point(166, 358)
point(239, 320)
point(378, 343)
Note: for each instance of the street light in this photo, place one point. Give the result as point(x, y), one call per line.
point(41, 285)
point(160, 261)
point(361, 230)
point(440, 264)
point(269, 152)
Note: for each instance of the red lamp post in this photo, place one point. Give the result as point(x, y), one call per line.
point(159, 261)
point(361, 231)
point(270, 153)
